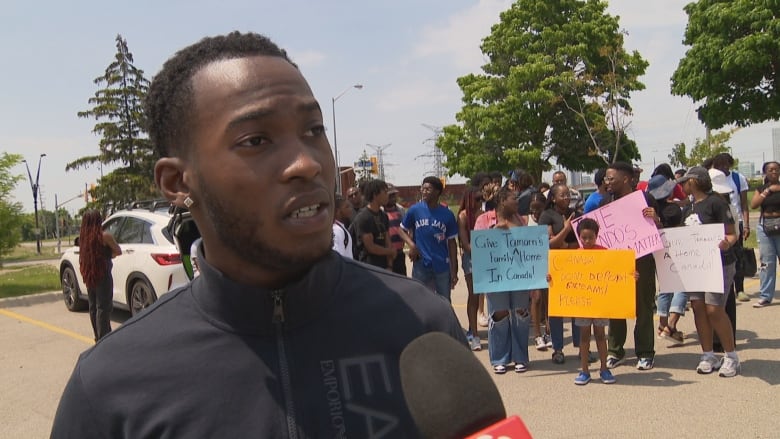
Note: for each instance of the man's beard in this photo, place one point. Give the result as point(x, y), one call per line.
point(241, 235)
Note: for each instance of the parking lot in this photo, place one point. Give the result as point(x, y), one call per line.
point(41, 342)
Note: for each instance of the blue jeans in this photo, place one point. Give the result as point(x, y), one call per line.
point(671, 302)
point(508, 337)
point(438, 282)
point(769, 247)
point(556, 333)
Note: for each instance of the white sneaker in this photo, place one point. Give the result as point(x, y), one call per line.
point(708, 364)
point(730, 367)
point(541, 345)
point(548, 340)
point(482, 320)
point(475, 343)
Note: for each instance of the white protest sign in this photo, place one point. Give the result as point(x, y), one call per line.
point(690, 260)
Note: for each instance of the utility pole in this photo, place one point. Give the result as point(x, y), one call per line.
point(438, 157)
point(380, 149)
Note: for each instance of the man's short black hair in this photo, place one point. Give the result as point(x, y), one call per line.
point(588, 224)
point(723, 160)
point(623, 167)
point(435, 182)
point(372, 188)
point(169, 103)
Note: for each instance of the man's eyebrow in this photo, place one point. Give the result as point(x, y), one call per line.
point(261, 113)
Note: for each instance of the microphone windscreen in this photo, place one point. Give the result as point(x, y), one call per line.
point(448, 391)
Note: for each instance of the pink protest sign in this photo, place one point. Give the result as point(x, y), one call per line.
point(622, 225)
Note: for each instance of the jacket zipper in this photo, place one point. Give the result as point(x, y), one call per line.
point(284, 367)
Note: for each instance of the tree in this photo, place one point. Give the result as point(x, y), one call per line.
point(10, 211)
point(702, 150)
point(731, 68)
point(119, 111)
point(556, 86)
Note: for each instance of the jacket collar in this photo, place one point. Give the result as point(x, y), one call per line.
point(249, 309)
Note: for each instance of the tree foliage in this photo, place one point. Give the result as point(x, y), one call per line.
point(10, 211)
point(701, 151)
point(118, 108)
point(731, 68)
point(556, 87)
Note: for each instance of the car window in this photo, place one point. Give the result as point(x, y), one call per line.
point(135, 231)
point(113, 225)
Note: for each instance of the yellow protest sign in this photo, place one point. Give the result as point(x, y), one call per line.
point(592, 283)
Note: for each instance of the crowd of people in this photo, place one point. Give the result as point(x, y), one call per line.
point(709, 194)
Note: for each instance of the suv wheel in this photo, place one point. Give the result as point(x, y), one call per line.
point(70, 291)
point(141, 296)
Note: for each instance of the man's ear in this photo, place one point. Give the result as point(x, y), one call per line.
point(169, 177)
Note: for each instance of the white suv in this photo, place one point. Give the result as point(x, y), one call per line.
point(150, 263)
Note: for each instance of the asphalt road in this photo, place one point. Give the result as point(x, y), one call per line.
point(41, 342)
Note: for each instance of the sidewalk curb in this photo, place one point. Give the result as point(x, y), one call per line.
point(31, 299)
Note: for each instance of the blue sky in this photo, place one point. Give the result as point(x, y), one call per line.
point(407, 55)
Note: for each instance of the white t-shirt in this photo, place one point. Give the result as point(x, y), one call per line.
point(342, 240)
point(736, 205)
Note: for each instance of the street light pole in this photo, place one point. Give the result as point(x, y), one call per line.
point(57, 219)
point(34, 187)
point(335, 140)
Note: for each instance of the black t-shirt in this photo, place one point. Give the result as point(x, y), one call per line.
point(770, 204)
point(711, 210)
point(551, 217)
point(377, 224)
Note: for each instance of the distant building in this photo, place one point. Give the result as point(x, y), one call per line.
point(748, 169)
point(776, 144)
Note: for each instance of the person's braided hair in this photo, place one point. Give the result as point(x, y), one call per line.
point(92, 254)
point(169, 102)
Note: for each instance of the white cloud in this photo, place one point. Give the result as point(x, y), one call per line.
point(462, 33)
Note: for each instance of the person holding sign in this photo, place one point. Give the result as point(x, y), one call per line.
point(588, 231)
point(557, 217)
point(620, 182)
point(709, 310)
point(509, 316)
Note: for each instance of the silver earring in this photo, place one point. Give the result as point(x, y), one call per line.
point(188, 202)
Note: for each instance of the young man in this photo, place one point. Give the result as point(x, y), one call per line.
point(279, 336)
point(620, 182)
point(432, 246)
point(370, 227)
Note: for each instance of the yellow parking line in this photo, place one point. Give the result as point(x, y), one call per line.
point(46, 326)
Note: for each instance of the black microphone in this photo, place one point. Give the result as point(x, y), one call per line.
point(448, 391)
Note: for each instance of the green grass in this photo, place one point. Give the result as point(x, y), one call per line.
point(29, 280)
point(29, 253)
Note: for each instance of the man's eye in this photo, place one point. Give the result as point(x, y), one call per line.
point(316, 131)
point(253, 141)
